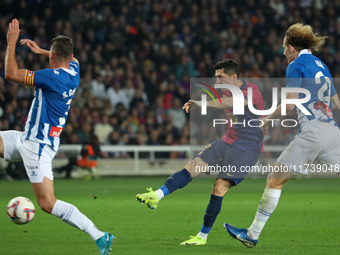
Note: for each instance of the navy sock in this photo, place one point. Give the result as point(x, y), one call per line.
point(176, 181)
point(213, 209)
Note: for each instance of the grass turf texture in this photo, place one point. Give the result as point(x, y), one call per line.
point(306, 220)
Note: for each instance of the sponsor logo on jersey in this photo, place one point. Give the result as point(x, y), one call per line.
point(324, 108)
point(56, 131)
point(31, 167)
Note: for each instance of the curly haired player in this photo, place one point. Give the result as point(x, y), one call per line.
point(318, 136)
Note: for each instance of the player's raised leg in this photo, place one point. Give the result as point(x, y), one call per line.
point(70, 214)
point(270, 198)
point(221, 187)
point(176, 181)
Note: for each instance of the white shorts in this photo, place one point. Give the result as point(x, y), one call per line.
point(37, 157)
point(317, 140)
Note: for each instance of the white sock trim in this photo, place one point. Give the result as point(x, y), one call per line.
point(268, 192)
point(159, 194)
point(56, 211)
point(202, 235)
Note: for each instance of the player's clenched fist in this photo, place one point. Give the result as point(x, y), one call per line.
point(186, 106)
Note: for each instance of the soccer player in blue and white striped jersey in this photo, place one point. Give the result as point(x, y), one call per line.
point(38, 144)
point(318, 136)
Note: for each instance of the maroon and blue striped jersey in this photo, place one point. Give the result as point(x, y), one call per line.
point(241, 131)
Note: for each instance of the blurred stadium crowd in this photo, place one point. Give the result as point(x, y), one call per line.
point(137, 58)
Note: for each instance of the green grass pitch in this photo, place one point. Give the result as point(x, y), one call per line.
point(306, 221)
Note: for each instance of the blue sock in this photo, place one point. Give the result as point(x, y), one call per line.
point(176, 181)
point(213, 209)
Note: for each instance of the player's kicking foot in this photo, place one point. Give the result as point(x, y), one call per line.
point(241, 235)
point(104, 243)
point(150, 199)
point(194, 240)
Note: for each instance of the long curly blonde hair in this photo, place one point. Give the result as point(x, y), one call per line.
point(302, 37)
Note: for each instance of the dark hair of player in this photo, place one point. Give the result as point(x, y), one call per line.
point(62, 47)
point(302, 37)
point(229, 67)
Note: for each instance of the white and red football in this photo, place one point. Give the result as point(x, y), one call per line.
point(20, 210)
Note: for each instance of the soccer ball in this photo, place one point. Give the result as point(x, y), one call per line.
point(20, 210)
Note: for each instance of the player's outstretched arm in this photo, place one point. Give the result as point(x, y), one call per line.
point(34, 47)
point(12, 72)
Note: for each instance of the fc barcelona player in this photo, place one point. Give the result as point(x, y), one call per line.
point(239, 147)
point(39, 143)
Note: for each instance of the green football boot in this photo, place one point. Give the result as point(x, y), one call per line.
point(194, 240)
point(150, 199)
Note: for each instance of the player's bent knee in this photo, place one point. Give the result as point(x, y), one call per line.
point(221, 187)
point(193, 167)
point(187, 166)
point(219, 191)
point(198, 166)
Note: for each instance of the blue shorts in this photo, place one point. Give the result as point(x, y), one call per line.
point(230, 162)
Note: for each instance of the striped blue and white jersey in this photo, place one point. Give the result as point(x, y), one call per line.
point(54, 91)
point(309, 72)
